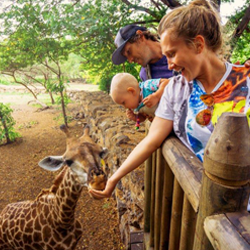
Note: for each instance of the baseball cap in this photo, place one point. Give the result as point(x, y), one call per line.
point(123, 35)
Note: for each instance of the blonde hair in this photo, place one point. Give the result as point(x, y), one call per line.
point(197, 18)
point(121, 81)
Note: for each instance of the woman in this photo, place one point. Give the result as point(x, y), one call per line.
point(192, 102)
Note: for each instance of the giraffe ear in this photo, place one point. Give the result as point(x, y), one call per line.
point(52, 163)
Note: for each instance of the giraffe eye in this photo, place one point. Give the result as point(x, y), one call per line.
point(69, 162)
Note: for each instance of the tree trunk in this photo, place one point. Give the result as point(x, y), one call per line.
point(51, 97)
point(63, 109)
point(241, 27)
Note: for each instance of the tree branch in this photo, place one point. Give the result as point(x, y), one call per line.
point(171, 3)
point(243, 24)
point(155, 4)
point(137, 7)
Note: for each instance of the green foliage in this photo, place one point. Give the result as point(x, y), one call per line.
point(108, 73)
point(65, 98)
point(99, 22)
point(5, 81)
point(242, 50)
point(7, 131)
point(51, 33)
point(71, 67)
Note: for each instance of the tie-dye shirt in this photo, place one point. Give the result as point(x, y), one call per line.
point(147, 87)
point(194, 112)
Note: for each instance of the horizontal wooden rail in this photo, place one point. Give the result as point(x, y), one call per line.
point(229, 231)
point(186, 167)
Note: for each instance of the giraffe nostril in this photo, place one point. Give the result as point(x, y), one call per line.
point(69, 162)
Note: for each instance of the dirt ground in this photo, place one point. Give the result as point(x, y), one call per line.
point(22, 179)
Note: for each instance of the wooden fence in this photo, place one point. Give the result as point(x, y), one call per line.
point(190, 205)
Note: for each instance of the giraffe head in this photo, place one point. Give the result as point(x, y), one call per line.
point(83, 156)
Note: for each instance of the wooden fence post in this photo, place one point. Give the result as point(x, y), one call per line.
point(159, 178)
point(147, 187)
point(147, 193)
point(226, 173)
point(166, 206)
point(152, 205)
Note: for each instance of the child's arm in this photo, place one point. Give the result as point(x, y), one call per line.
point(152, 100)
point(130, 114)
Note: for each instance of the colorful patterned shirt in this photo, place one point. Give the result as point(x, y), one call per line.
point(195, 113)
point(147, 88)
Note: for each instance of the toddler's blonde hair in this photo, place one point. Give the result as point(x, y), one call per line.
point(121, 82)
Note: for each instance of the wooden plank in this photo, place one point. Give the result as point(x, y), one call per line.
point(175, 228)
point(152, 206)
point(147, 242)
point(158, 196)
point(188, 224)
point(223, 234)
point(186, 167)
point(147, 193)
point(241, 221)
point(166, 206)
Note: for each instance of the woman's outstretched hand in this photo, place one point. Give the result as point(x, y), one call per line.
point(106, 193)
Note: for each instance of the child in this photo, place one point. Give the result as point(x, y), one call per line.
point(141, 99)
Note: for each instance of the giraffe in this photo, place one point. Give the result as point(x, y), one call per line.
point(48, 222)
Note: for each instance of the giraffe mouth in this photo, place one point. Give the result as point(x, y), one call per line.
point(97, 179)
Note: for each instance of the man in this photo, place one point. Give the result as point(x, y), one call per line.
point(136, 44)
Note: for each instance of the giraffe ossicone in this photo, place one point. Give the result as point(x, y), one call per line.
point(49, 222)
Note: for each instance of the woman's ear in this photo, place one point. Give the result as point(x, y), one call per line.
point(199, 43)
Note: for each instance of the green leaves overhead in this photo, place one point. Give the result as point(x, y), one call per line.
point(34, 31)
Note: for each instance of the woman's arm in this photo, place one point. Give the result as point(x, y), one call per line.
point(159, 130)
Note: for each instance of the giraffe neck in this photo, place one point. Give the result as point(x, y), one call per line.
point(66, 199)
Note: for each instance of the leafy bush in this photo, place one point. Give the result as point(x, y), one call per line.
point(107, 75)
point(5, 81)
point(7, 131)
point(104, 83)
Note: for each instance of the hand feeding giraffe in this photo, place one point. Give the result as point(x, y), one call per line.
point(48, 222)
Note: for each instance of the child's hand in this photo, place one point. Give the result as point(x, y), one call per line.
point(151, 100)
point(130, 114)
